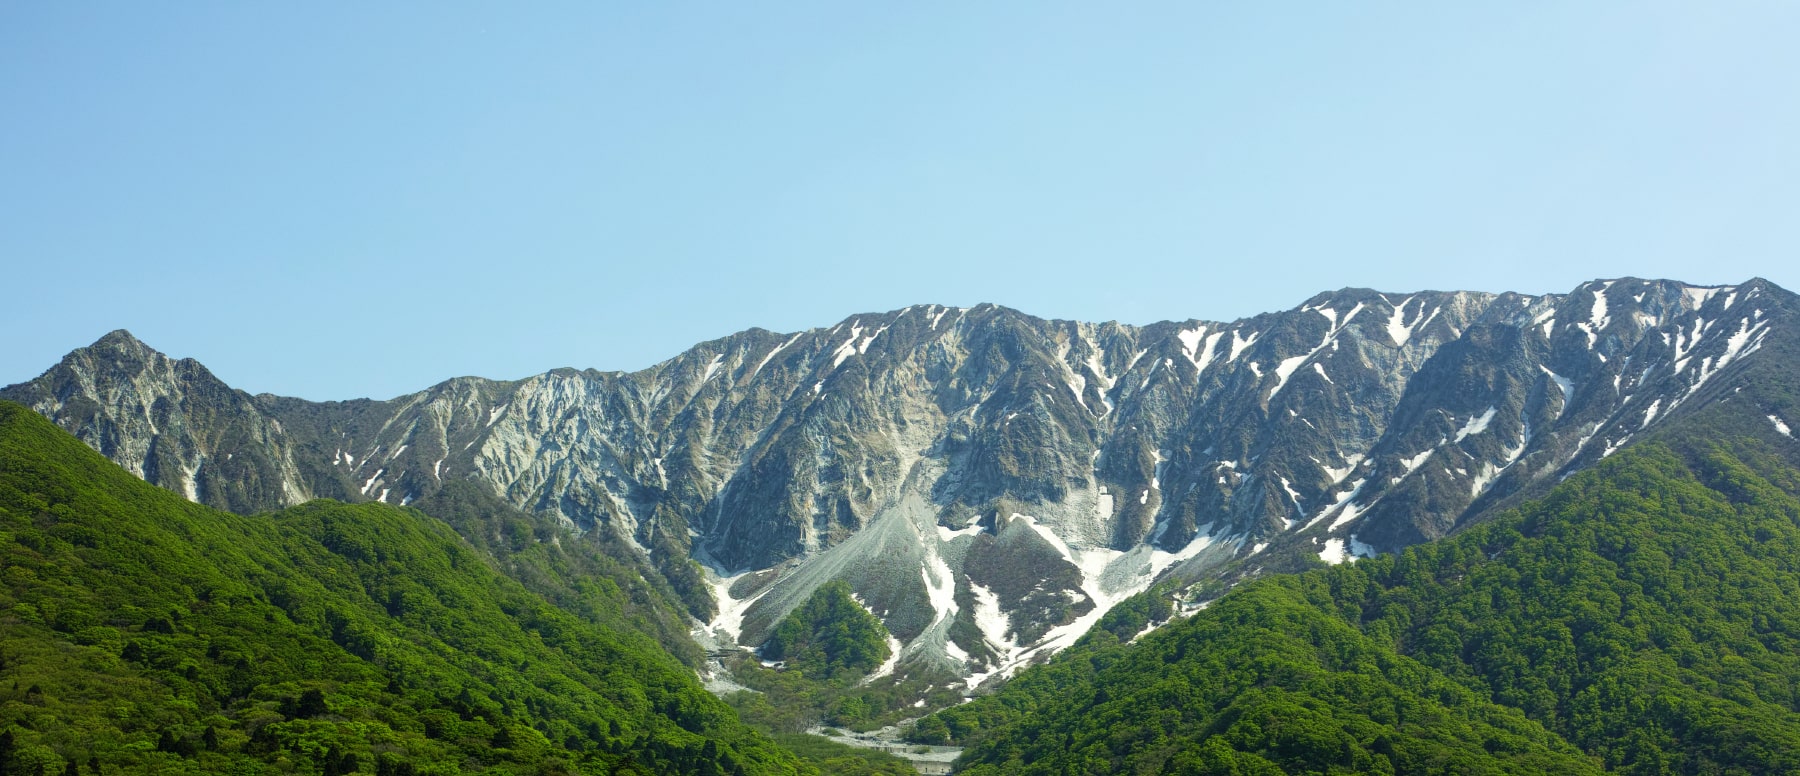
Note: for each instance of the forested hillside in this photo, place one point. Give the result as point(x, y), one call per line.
point(595, 575)
point(830, 634)
point(142, 633)
point(1644, 618)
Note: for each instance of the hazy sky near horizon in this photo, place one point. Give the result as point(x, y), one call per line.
point(335, 200)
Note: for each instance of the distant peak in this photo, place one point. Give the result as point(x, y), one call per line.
point(119, 338)
point(119, 345)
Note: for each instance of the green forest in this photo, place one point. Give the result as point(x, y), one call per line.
point(1643, 618)
point(146, 634)
point(829, 636)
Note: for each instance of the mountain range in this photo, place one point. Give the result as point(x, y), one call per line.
point(989, 484)
point(1641, 618)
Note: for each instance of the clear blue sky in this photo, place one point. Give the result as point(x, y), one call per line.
point(333, 200)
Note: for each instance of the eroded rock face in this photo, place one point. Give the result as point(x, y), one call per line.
point(987, 481)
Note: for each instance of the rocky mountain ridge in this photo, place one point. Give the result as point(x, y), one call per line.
point(989, 483)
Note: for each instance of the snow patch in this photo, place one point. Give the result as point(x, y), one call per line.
point(1199, 347)
point(1108, 577)
point(1613, 447)
point(939, 316)
point(1285, 369)
point(1483, 477)
point(940, 587)
point(1546, 321)
point(1697, 296)
point(190, 484)
point(1563, 384)
point(1239, 344)
point(1352, 510)
point(1781, 426)
point(1289, 487)
point(1338, 475)
point(1685, 343)
point(1746, 340)
point(730, 619)
point(1135, 357)
point(956, 653)
point(948, 535)
point(849, 348)
point(1417, 460)
point(713, 367)
point(1476, 424)
point(993, 624)
point(1334, 552)
point(1287, 366)
point(1597, 317)
point(1096, 366)
point(1106, 381)
point(778, 349)
point(1401, 332)
point(1343, 503)
point(887, 666)
point(1077, 384)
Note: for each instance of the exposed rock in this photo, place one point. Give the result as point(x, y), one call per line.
point(988, 482)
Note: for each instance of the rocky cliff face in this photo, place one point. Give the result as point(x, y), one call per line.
point(988, 482)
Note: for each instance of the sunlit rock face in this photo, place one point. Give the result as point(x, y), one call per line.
point(988, 482)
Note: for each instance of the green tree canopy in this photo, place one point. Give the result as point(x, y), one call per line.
point(829, 634)
point(142, 633)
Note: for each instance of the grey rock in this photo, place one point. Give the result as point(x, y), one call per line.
point(989, 482)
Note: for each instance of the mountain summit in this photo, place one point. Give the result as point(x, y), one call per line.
point(989, 483)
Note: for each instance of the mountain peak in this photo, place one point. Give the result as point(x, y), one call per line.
point(121, 345)
point(118, 337)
